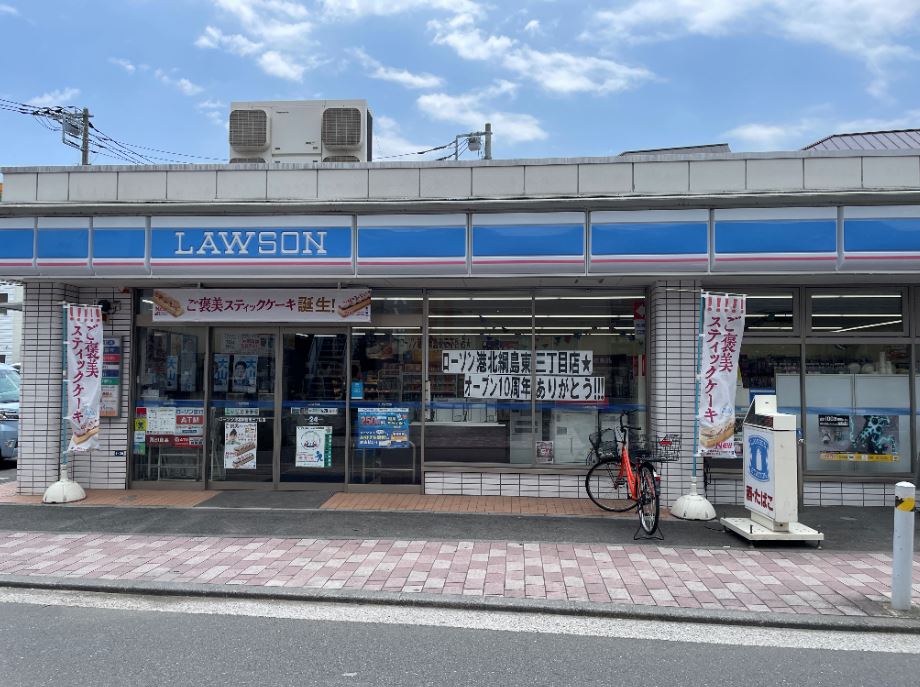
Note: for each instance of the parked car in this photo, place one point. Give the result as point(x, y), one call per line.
point(9, 412)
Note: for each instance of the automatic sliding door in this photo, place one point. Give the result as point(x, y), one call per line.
point(242, 412)
point(313, 407)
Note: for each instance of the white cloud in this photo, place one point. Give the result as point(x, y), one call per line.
point(389, 140)
point(402, 77)
point(533, 26)
point(872, 31)
point(8, 9)
point(353, 9)
point(808, 129)
point(471, 112)
point(215, 111)
point(235, 43)
point(183, 85)
point(124, 64)
point(557, 72)
point(59, 97)
point(284, 67)
point(276, 22)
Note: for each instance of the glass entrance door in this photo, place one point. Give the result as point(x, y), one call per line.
point(313, 410)
point(242, 409)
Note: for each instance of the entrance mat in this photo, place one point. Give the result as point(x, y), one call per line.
point(305, 500)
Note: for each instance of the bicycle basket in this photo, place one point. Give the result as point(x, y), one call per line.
point(667, 448)
point(604, 444)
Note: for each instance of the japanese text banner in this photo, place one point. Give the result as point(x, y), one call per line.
point(84, 391)
point(261, 305)
point(720, 338)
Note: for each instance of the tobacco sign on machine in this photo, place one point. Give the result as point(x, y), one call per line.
point(770, 477)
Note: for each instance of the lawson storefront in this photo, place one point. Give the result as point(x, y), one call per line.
point(468, 345)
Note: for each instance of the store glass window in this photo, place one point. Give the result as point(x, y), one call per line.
point(768, 369)
point(770, 312)
point(169, 414)
point(480, 374)
point(386, 405)
point(857, 314)
point(858, 408)
point(590, 368)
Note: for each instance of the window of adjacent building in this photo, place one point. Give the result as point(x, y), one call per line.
point(858, 414)
point(862, 313)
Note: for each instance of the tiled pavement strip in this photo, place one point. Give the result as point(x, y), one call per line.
point(768, 581)
point(723, 579)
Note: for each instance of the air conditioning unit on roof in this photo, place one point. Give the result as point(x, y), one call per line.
point(301, 131)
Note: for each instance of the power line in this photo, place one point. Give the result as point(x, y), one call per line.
point(418, 152)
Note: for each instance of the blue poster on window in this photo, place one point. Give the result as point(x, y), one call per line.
point(383, 427)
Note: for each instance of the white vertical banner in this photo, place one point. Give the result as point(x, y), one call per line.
point(84, 363)
point(721, 329)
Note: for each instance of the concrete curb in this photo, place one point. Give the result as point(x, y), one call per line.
point(901, 625)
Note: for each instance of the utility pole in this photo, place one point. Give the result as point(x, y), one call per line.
point(488, 151)
point(85, 145)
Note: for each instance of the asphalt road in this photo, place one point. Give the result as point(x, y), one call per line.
point(851, 529)
point(216, 644)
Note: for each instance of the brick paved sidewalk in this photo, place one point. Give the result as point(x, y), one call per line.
point(781, 582)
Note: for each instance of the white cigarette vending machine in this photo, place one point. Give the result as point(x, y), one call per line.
point(770, 477)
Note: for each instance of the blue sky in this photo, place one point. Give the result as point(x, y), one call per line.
point(555, 78)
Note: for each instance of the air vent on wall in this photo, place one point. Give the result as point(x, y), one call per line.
point(341, 127)
point(249, 129)
point(245, 160)
point(341, 158)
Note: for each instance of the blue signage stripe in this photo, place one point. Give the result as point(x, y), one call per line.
point(776, 236)
point(203, 244)
point(881, 235)
point(63, 243)
point(119, 243)
point(649, 238)
point(16, 243)
point(411, 242)
point(528, 240)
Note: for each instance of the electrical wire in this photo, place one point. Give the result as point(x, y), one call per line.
point(418, 152)
point(52, 118)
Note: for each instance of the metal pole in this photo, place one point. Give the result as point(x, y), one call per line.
point(902, 558)
point(696, 393)
point(85, 147)
point(488, 152)
point(63, 466)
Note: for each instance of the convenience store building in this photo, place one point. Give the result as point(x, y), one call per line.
point(460, 327)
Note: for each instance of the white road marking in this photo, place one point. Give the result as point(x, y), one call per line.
point(501, 621)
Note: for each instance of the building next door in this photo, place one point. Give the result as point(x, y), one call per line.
point(277, 413)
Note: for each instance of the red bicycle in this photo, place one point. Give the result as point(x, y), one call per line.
point(619, 481)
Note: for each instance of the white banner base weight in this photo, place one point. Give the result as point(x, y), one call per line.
point(693, 505)
point(65, 490)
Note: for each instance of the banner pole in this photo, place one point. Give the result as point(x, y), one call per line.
point(693, 505)
point(696, 395)
point(64, 490)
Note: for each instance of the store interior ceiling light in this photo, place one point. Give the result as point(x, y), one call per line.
point(849, 314)
point(855, 295)
point(868, 326)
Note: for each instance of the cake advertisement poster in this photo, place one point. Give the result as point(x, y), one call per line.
point(240, 444)
point(261, 305)
point(721, 328)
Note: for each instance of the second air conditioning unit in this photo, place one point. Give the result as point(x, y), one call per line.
point(301, 131)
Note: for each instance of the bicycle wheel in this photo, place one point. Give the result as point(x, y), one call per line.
point(649, 503)
point(607, 488)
